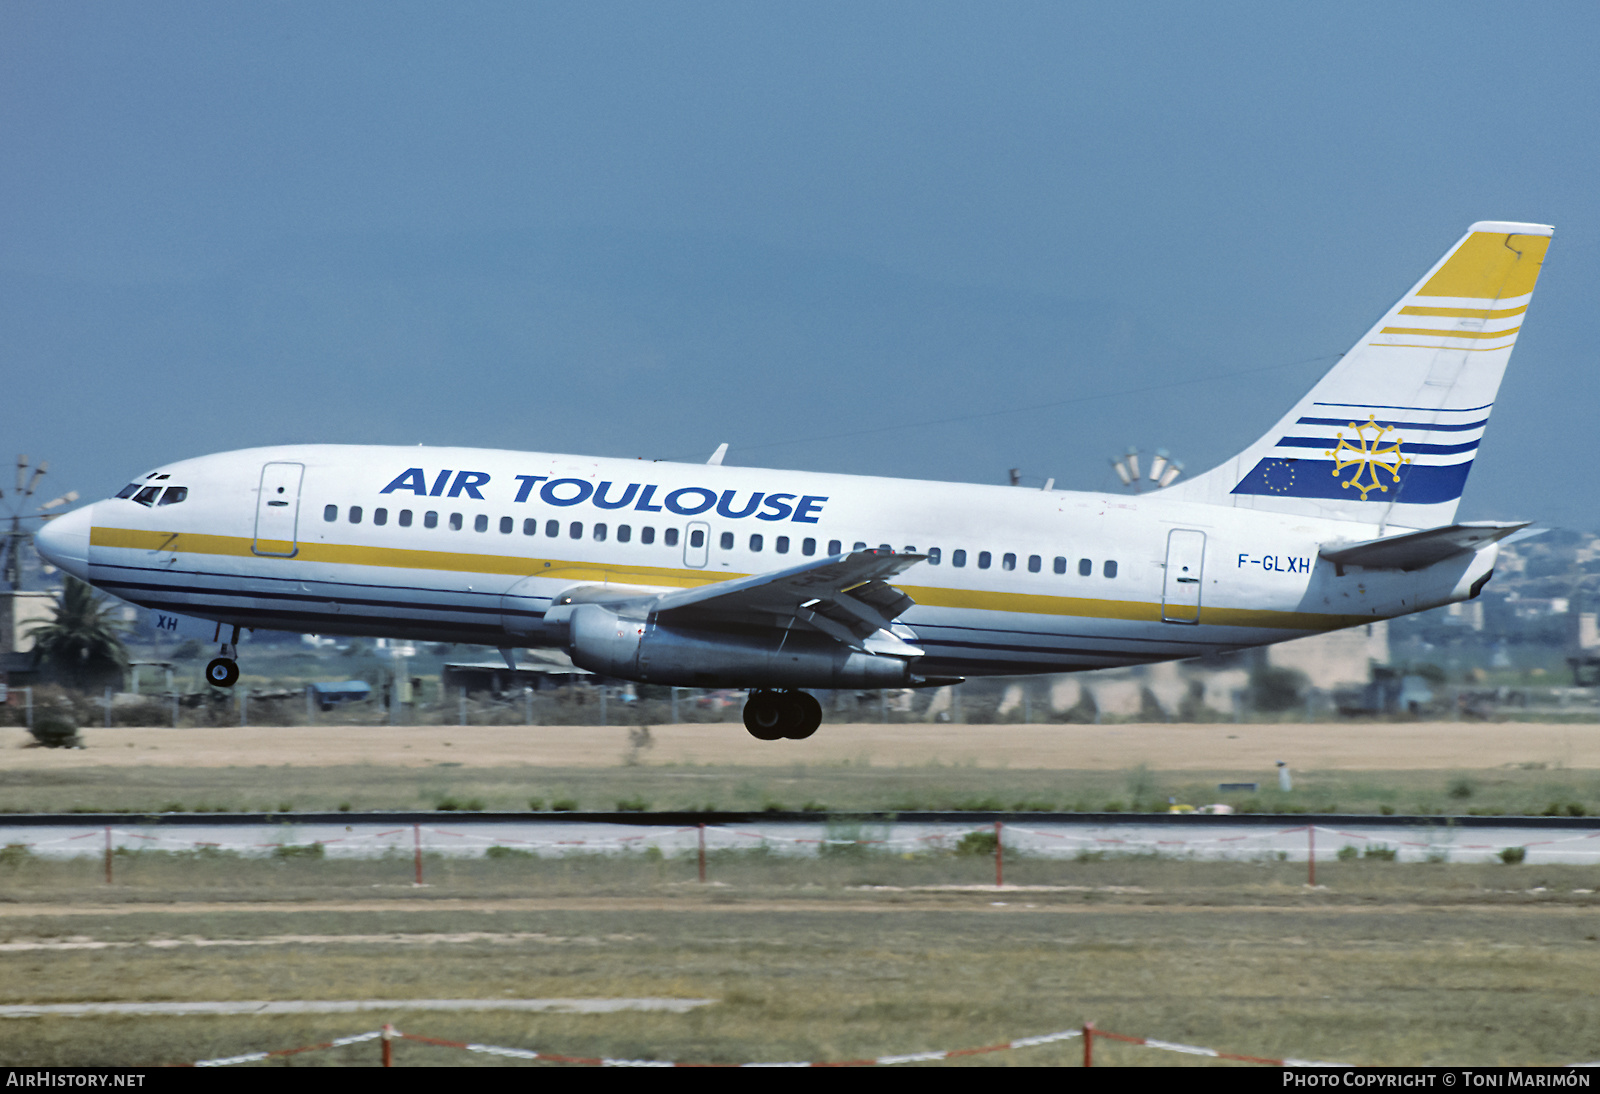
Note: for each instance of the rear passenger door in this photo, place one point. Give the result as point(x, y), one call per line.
point(1180, 596)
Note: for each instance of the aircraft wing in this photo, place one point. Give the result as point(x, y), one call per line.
point(846, 596)
point(1416, 550)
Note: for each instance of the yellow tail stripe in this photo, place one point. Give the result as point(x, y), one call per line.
point(1452, 333)
point(1490, 266)
point(1464, 313)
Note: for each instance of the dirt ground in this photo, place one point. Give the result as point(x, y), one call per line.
point(1172, 747)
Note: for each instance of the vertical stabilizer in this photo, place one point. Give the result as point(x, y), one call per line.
point(1389, 434)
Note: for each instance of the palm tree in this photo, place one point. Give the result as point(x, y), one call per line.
point(83, 646)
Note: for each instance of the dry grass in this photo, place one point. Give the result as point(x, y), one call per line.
point(843, 787)
point(1427, 964)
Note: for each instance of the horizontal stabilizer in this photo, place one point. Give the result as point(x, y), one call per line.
point(1415, 550)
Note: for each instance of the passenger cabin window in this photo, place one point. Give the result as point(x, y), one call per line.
point(984, 558)
point(808, 547)
point(670, 537)
point(480, 523)
point(455, 522)
point(1110, 568)
point(647, 534)
point(1085, 567)
point(834, 546)
point(380, 517)
point(861, 545)
point(1060, 565)
point(958, 558)
point(1008, 561)
point(934, 554)
point(552, 529)
point(405, 518)
point(780, 545)
point(697, 538)
point(575, 529)
point(624, 533)
point(355, 514)
point(756, 543)
point(430, 519)
point(1035, 564)
point(330, 513)
point(727, 541)
point(530, 527)
point(599, 533)
point(506, 525)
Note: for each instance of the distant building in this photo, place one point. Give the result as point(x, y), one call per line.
point(19, 612)
point(1335, 659)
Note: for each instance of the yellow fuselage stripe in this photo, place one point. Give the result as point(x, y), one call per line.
point(192, 543)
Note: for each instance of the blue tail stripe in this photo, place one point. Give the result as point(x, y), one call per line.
point(1440, 426)
point(1420, 409)
point(1419, 449)
point(1420, 484)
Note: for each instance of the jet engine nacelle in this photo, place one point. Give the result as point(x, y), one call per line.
point(639, 649)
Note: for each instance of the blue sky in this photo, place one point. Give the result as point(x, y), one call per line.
point(931, 240)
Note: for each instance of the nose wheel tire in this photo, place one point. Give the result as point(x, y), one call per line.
point(222, 672)
point(774, 715)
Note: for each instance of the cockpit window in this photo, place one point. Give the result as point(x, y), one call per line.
point(147, 495)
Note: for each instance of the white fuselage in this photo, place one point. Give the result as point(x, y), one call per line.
point(473, 545)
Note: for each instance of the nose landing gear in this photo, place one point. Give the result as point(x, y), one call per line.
point(774, 715)
point(223, 671)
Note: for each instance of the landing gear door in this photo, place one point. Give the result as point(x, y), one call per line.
point(278, 510)
point(1180, 595)
point(697, 544)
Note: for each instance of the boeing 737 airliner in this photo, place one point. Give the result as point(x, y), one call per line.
point(710, 576)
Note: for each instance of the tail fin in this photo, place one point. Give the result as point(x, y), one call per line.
point(1389, 434)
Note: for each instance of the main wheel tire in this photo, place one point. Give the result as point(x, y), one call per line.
point(809, 715)
point(223, 672)
point(764, 715)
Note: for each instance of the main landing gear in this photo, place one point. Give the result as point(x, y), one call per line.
point(223, 671)
point(773, 715)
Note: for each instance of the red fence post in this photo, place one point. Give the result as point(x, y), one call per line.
point(999, 867)
point(388, 1045)
point(108, 854)
point(416, 839)
point(702, 853)
point(1088, 1044)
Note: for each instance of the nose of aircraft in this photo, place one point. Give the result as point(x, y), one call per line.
point(64, 542)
